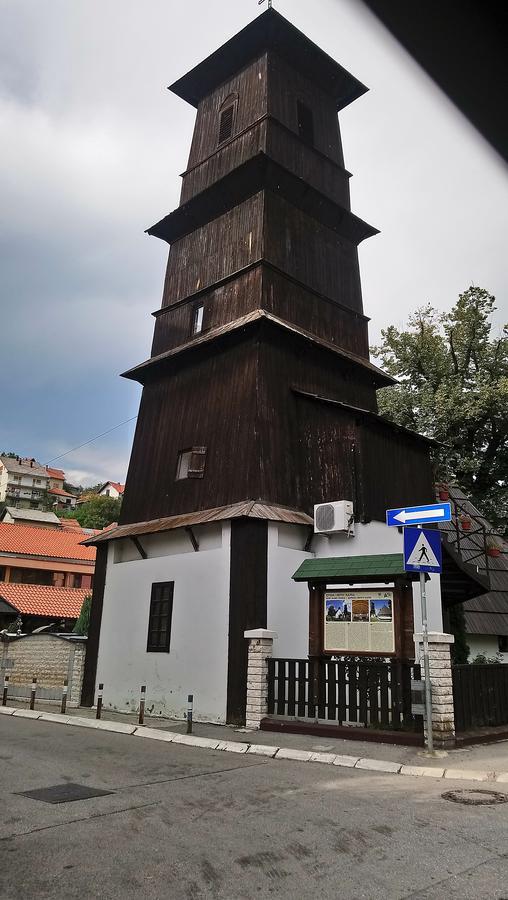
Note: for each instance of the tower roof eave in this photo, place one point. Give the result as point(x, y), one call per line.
point(138, 373)
point(269, 31)
point(259, 173)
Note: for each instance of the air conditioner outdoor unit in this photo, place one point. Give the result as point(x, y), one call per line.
point(336, 516)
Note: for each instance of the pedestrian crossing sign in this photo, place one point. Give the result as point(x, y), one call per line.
point(422, 550)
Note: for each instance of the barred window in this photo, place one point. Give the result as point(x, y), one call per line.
point(159, 622)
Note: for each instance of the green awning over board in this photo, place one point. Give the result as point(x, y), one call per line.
point(351, 569)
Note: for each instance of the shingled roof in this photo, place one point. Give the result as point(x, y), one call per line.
point(487, 613)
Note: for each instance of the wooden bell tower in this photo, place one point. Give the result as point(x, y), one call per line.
point(259, 385)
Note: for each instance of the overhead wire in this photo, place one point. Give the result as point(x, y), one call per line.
point(92, 440)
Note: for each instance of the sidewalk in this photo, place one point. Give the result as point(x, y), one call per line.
point(484, 762)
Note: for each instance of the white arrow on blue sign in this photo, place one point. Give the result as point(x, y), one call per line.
point(419, 515)
point(422, 550)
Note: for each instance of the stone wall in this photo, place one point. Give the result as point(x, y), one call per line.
point(440, 670)
point(48, 657)
point(260, 650)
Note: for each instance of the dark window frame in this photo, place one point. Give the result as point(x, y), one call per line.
point(502, 641)
point(155, 615)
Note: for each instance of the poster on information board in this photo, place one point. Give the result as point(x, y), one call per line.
point(359, 621)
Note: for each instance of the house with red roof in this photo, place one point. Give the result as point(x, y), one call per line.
point(45, 574)
point(112, 489)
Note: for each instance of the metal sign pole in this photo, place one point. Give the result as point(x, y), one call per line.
point(426, 665)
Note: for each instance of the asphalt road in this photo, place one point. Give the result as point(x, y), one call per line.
point(190, 824)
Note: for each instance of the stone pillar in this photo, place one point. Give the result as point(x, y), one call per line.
point(260, 649)
point(443, 719)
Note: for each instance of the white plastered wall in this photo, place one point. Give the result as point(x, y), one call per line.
point(287, 600)
point(487, 645)
point(197, 661)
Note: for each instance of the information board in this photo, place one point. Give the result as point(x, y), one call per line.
point(359, 621)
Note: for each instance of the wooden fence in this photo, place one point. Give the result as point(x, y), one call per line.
point(480, 696)
point(372, 694)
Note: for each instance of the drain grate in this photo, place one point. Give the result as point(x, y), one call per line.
point(475, 797)
point(64, 793)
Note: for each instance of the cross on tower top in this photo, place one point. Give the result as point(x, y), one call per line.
point(270, 4)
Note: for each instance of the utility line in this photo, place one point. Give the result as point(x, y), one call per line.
point(96, 438)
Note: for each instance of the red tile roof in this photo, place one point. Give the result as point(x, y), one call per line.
point(43, 600)
point(60, 493)
point(55, 473)
point(71, 523)
point(29, 540)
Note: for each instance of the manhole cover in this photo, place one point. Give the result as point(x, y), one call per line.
point(64, 793)
point(475, 797)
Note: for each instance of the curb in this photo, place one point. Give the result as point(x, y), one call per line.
point(348, 762)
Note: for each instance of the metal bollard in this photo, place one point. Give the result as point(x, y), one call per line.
point(6, 688)
point(65, 689)
point(141, 720)
point(32, 692)
point(99, 701)
point(190, 701)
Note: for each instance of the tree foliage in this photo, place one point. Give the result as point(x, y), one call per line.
point(453, 386)
point(83, 621)
point(96, 512)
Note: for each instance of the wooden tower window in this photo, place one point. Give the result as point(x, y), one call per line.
point(191, 463)
point(305, 123)
point(227, 118)
point(197, 318)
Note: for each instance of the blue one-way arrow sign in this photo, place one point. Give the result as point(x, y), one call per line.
point(419, 515)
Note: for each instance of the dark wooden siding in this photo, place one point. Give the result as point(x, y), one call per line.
point(312, 253)
point(226, 303)
point(297, 430)
point(250, 85)
point(234, 153)
point(396, 470)
point(247, 605)
point(210, 401)
point(285, 87)
point(286, 148)
point(216, 250)
point(262, 287)
point(92, 649)
point(324, 318)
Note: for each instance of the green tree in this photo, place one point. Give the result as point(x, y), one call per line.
point(453, 386)
point(83, 621)
point(97, 512)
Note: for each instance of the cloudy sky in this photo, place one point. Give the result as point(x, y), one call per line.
point(92, 144)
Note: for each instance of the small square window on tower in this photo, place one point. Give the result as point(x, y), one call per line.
point(191, 463)
point(305, 123)
point(197, 319)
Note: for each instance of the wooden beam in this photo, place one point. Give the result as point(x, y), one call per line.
point(139, 547)
point(192, 537)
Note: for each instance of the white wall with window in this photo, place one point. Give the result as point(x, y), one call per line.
point(196, 659)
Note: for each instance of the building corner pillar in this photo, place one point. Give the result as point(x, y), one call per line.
point(441, 685)
point(259, 652)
